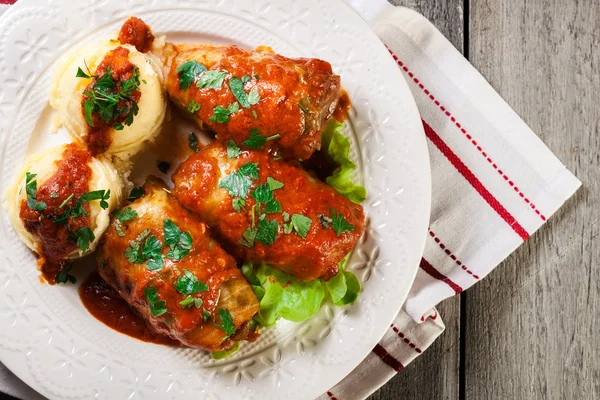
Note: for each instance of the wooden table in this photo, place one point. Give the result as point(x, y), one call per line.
point(531, 329)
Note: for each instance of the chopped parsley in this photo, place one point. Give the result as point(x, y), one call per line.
point(106, 99)
point(246, 78)
point(339, 224)
point(263, 194)
point(151, 251)
point(205, 316)
point(300, 224)
point(136, 193)
point(163, 166)
point(54, 195)
point(157, 307)
point(266, 231)
point(102, 195)
point(211, 79)
point(253, 97)
point(180, 243)
point(191, 301)
point(237, 88)
point(188, 283)
point(238, 203)
point(31, 190)
point(248, 237)
point(193, 106)
point(84, 237)
point(256, 141)
point(233, 149)
point(226, 323)
point(193, 142)
point(238, 183)
point(254, 115)
point(66, 201)
point(274, 184)
point(221, 114)
point(64, 276)
point(126, 214)
point(188, 72)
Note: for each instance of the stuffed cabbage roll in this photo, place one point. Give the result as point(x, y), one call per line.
point(257, 98)
point(164, 263)
point(269, 210)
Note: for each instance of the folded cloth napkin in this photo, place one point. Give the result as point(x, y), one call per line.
point(494, 184)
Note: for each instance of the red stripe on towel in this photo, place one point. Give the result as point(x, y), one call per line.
point(474, 181)
point(406, 340)
point(452, 256)
point(387, 358)
point(430, 269)
point(466, 135)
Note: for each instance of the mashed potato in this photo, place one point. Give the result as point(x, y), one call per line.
point(67, 92)
point(44, 165)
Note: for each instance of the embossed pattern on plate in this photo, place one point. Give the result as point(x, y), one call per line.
point(48, 338)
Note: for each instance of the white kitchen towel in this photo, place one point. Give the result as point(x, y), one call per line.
point(494, 184)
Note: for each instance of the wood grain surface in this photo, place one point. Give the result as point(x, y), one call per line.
point(530, 329)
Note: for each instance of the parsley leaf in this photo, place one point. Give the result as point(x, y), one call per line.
point(238, 203)
point(193, 142)
point(84, 237)
point(189, 301)
point(188, 72)
point(193, 106)
point(211, 79)
point(133, 251)
point(226, 322)
point(250, 169)
point(126, 214)
point(152, 252)
point(233, 149)
point(64, 276)
point(31, 191)
point(163, 166)
point(136, 193)
point(339, 224)
point(238, 183)
point(157, 307)
point(205, 316)
point(253, 97)
point(266, 231)
point(221, 114)
point(105, 98)
point(301, 224)
point(255, 141)
point(263, 194)
point(188, 283)
point(274, 184)
point(246, 78)
point(102, 195)
point(248, 237)
point(237, 88)
point(81, 74)
point(254, 114)
point(179, 242)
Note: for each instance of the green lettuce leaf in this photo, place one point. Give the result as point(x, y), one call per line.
point(282, 296)
point(337, 148)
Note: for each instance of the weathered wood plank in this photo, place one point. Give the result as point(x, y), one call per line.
point(434, 374)
point(531, 326)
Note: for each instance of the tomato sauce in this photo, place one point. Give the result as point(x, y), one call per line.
point(136, 33)
point(70, 181)
point(107, 306)
point(98, 138)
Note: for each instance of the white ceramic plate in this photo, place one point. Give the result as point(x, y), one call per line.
point(48, 338)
